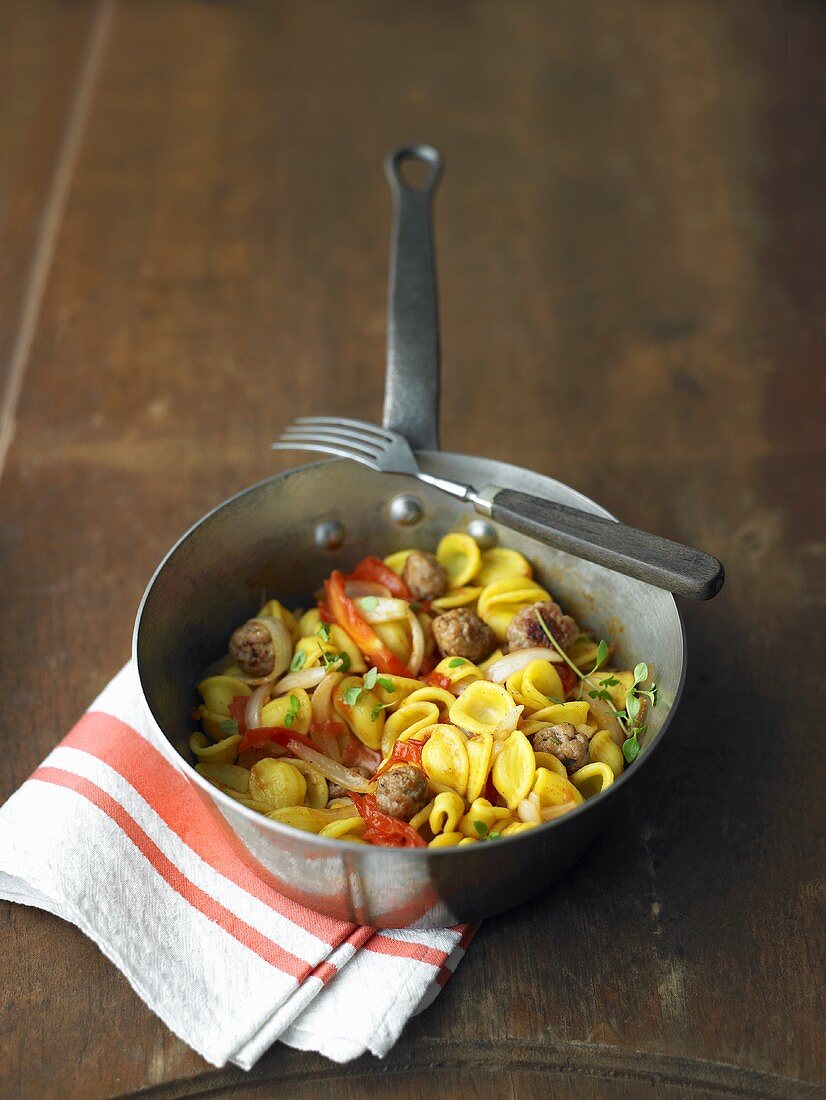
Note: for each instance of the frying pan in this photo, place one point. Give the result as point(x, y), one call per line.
point(288, 532)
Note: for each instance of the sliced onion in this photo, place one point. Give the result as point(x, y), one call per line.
point(306, 678)
point(508, 723)
point(322, 699)
point(330, 769)
point(604, 715)
point(550, 812)
point(417, 636)
point(528, 811)
point(252, 715)
point(382, 610)
point(282, 645)
point(355, 589)
point(500, 670)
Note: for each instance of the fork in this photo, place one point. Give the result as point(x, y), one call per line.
point(683, 570)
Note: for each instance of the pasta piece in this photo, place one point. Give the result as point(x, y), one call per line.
point(592, 779)
point(293, 711)
point(218, 692)
point(536, 686)
point(513, 769)
point(364, 715)
point(553, 789)
point(224, 752)
point(445, 758)
point(406, 723)
point(481, 707)
point(317, 788)
point(458, 671)
point(499, 563)
point(479, 752)
point(459, 597)
point(396, 561)
point(446, 840)
point(226, 776)
point(460, 556)
point(502, 599)
point(482, 818)
point(448, 810)
point(277, 784)
point(602, 750)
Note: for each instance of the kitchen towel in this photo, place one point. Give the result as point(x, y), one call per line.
point(108, 834)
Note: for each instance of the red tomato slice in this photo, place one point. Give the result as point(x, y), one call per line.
point(345, 613)
point(383, 830)
point(374, 569)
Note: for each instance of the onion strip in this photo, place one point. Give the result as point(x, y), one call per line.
point(306, 678)
point(380, 609)
point(417, 637)
point(330, 769)
point(508, 723)
point(322, 697)
point(500, 670)
point(528, 811)
point(252, 715)
point(356, 588)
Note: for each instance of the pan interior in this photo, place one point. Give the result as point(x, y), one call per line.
point(262, 541)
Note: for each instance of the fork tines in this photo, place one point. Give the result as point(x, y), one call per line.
point(335, 435)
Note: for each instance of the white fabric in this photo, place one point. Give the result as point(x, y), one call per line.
point(105, 834)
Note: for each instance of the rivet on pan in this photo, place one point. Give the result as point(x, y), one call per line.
point(483, 532)
point(329, 534)
point(406, 510)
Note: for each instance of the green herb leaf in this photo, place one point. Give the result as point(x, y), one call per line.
point(229, 726)
point(600, 694)
point(456, 662)
point(633, 707)
point(323, 631)
point(631, 749)
point(369, 603)
point(494, 836)
point(386, 683)
point(298, 660)
point(602, 655)
point(376, 711)
point(481, 828)
point(640, 673)
point(351, 694)
point(608, 681)
point(292, 712)
point(371, 676)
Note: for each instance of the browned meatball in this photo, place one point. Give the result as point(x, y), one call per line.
point(563, 742)
point(402, 791)
point(525, 631)
point(461, 633)
point(425, 577)
point(252, 650)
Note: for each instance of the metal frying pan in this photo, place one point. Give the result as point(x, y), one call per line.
point(286, 533)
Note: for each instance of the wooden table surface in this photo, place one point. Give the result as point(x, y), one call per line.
point(631, 254)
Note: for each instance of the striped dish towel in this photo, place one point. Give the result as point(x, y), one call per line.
point(109, 835)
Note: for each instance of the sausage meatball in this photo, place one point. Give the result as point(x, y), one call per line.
point(525, 631)
point(425, 577)
point(252, 650)
point(402, 791)
point(565, 743)
point(461, 633)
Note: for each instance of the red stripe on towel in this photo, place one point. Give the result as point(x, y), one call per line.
point(198, 824)
point(241, 931)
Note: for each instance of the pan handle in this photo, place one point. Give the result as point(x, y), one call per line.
point(411, 390)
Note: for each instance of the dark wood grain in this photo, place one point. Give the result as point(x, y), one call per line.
point(631, 256)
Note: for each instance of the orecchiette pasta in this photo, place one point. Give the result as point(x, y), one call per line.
point(357, 721)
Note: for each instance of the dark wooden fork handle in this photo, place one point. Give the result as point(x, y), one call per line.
point(683, 570)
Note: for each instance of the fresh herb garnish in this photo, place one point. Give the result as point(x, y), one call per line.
point(323, 631)
point(377, 709)
point(351, 694)
point(298, 660)
point(370, 677)
point(229, 726)
point(481, 828)
point(292, 712)
point(629, 719)
point(494, 835)
point(456, 662)
point(336, 662)
point(369, 603)
point(386, 683)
